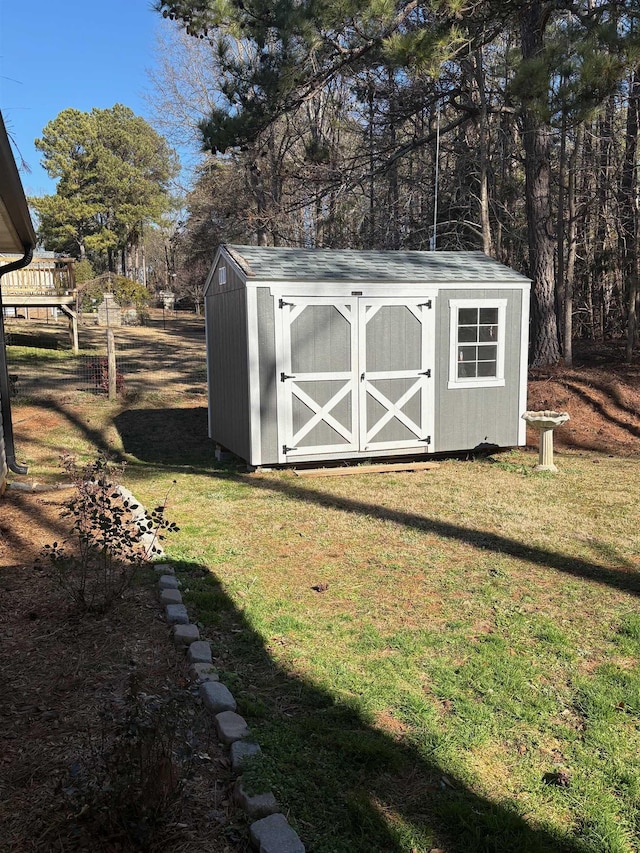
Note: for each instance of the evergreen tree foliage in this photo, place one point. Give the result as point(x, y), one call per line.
point(113, 171)
point(127, 293)
point(330, 111)
point(83, 271)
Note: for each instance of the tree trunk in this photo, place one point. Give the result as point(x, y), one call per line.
point(143, 260)
point(545, 348)
point(371, 215)
point(485, 219)
point(605, 283)
point(572, 245)
point(394, 224)
point(483, 151)
point(257, 189)
point(560, 226)
point(628, 242)
point(588, 192)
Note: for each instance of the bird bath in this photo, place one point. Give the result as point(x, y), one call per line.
point(546, 422)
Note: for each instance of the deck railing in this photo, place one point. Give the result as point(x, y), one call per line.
point(43, 277)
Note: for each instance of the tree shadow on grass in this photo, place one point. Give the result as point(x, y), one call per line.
point(27, 506)
point(94, 436)
point(175, 438)
point(56, 340)
point(625, 578)
point(337, 775)
point(172, 437)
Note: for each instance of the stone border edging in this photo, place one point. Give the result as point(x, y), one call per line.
point(270, 831)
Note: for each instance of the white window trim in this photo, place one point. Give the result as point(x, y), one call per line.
point(222, 276)
point(481, 381)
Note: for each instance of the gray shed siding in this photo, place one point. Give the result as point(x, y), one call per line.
point(234, 279)
point(467, 417)
point(227, 370)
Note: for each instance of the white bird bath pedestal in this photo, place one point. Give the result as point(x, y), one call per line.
point(546, 422)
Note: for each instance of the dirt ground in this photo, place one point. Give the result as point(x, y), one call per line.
point(71, 687)
point(601, 393)
point(105, 746)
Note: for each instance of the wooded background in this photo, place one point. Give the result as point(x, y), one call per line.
point(509, 127)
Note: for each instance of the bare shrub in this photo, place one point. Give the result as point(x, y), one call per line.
point(112, 536)
point(128, 782)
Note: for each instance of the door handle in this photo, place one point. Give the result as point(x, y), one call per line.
point(362, 377)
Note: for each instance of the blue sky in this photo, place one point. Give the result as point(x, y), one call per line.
point(56, 54)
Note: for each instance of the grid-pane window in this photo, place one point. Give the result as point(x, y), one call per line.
point(477, 342)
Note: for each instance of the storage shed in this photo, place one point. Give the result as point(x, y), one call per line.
point(318, 354)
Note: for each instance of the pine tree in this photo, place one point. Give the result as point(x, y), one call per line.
point(113, 171)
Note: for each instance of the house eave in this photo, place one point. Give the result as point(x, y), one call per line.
point(17, 234)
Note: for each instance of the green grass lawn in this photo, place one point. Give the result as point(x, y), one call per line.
point(432, 660)
point(465, 674)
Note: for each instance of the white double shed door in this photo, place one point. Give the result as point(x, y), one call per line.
point(355, 375)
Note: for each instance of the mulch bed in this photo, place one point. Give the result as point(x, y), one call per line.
point(105, 747)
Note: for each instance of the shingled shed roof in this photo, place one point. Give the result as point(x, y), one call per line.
point(284, 264)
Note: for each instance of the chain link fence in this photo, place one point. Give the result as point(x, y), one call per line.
point(164, 358)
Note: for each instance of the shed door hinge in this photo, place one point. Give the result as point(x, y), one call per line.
point(282, 303)
point(426, 373)
point(426, 440)
point(286, 449)
point(426, 304)
point(284, 376)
